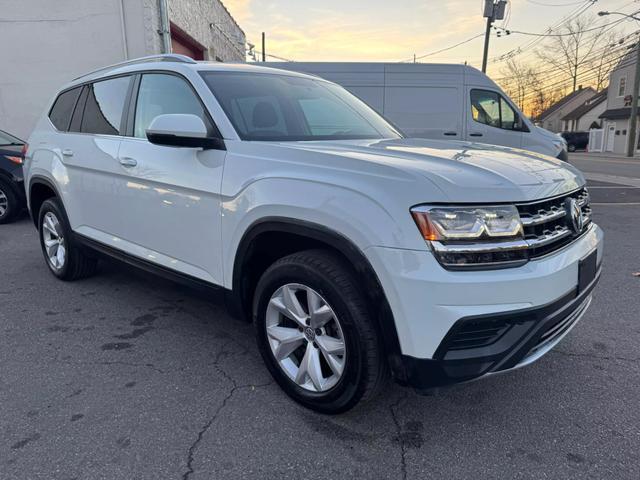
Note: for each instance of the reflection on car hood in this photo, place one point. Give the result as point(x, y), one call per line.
point(462, 171)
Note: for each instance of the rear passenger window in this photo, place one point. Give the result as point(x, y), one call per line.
point(161, 94)
point(104, 106)
point(62, 109)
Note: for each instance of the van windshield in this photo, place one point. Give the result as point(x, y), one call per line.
point(270, 107)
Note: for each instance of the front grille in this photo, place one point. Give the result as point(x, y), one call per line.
point(547, 223)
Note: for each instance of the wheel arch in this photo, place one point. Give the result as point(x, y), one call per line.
point(268, 239)
point(40, 189)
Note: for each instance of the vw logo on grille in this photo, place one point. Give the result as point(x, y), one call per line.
point(574, 215)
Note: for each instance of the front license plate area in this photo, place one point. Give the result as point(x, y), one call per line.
point(587, 271)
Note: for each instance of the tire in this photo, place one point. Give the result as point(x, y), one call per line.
point(571, 147)
point(332, 284)
point(73, 263)
point(9, 203)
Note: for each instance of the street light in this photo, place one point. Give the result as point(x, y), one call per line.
point(633, 121)
point(629, 15)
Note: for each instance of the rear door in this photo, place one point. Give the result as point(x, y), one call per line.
point(89, 151)
point(172, 213)
point(491, 119)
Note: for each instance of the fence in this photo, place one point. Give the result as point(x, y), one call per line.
point(596, 140)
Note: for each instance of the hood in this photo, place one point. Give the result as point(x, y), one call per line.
point(461, 171)
point(548, 134)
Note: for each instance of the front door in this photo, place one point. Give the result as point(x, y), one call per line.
point(491, 119)
point(611, 132)
point(173, 216)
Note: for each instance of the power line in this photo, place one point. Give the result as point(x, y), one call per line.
point(554, 4)
point(562, 84)
point(444, 49)
point(275, 56)
point(613, 47)
point(547, 35)
point(573, 14)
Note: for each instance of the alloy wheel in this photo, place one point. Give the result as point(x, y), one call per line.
point(4, 204)
point(53, 239)
point(305, 337)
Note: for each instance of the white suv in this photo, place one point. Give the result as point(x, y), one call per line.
point(358, 253)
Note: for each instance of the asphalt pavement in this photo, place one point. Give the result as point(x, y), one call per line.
point(128, 376)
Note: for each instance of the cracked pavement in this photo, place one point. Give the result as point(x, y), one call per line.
point(126, 375)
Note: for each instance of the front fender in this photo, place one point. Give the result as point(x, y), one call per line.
point(354, 215)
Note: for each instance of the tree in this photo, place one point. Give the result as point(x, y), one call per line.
point(601, 65)
point(519, 79)
point(570, 49)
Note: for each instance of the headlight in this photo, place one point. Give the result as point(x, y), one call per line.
point(473, 237)
point(560, 145)
point(467, 223)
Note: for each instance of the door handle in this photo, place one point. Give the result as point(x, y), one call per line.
point(67, 152)
point(475, 134)
point(128, 162)
point(450, 134)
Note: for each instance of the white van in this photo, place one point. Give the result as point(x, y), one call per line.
point(438, 101)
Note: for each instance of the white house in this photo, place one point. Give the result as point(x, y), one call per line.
point(45, 43)
point(551, 118)
point(586, 116)
point(620, 95)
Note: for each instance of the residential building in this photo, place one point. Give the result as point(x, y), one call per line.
point(551, 118)
point(44, 44)
point(616, 117)
point(586, 116)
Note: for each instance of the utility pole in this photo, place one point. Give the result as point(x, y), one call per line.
point(493, 10)
point(264, 53)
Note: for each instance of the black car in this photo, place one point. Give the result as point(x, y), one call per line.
point(576, 140)
point(12, 196)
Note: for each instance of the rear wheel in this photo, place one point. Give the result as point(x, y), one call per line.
point(315, 333)
point(65, 259)
point(571, 147)
point(9, 204)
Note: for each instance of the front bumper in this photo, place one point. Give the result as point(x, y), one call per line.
point(529, 334)
point(530, 308)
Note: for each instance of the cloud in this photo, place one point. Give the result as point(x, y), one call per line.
point(301, 32)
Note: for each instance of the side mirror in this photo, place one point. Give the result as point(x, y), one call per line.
point(182, 130)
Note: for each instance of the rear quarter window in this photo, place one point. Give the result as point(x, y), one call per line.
point(60, 114)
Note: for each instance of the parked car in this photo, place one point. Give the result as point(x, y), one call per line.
point(12, 196)
point(439, 101)
point(357, 253)
point(576, 140)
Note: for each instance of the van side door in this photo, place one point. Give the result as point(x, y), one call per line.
point(491, 119)
point(172, 218)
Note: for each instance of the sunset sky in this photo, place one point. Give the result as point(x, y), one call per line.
point(379, 30)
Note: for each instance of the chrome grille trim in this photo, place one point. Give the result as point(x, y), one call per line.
point(543, 216)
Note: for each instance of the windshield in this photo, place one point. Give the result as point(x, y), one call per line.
point(6, 139)
point(271, 107)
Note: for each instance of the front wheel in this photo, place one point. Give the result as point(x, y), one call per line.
point(571, 148)
point(315, 332)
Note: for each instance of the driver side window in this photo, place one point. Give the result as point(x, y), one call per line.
point(492, 109)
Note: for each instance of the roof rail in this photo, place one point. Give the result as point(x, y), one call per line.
point(165, 57)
